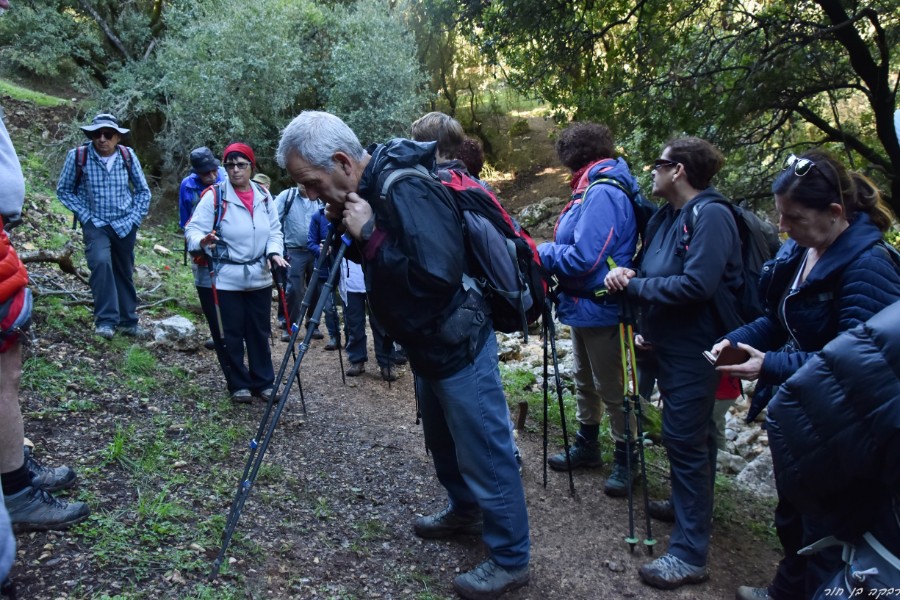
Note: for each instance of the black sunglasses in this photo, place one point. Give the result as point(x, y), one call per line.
point(240, 166)
point(801, 166)
point(104, 133)
point(659, 163)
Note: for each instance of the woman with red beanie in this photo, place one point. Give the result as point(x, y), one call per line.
point(235, 230)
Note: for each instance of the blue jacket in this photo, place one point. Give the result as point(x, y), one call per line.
point(834, 430)
point(189, 195)
point(853, 280)
point(590, 229)
point(316, 234)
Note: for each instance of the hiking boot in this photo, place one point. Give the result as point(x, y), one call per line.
point(285, 336)
point(356, 369)
point(331, 345)
point(266, 394)
point(751, 593)
point(47, 479)
point(242, 396)
point(661, 510)
point(105, 331)
point(617, 483)
point(582, 454)
point(135, 331)
point(669, 572)
point(490, 580)
point(447, 523)
point(33, 509)
point(387, 373)
point(210, 344)
point(317, 335)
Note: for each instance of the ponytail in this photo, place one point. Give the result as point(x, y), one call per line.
point(866, 198)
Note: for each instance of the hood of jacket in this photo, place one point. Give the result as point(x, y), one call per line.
point(609, 168)
point(397, 153)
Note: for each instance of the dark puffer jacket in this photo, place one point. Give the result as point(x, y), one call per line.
point(834, 430)
point(854, 279)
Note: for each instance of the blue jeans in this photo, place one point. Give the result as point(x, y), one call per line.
point(299, 272)
point(688, 385)
point(111, 261)
point(466, 424)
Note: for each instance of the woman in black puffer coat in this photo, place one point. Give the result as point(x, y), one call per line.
point(834, 273)
point(834, 430)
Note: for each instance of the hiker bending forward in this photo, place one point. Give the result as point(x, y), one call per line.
point(236, 228)
point(413, 253)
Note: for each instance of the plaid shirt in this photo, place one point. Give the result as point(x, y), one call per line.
point(105, 196)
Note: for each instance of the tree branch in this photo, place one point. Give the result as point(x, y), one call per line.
point(101, 22)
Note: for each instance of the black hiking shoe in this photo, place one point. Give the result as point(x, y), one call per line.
point(617, 483)
point(135, 331)
point(490, 580)
point(33, 509)
point(583, 454)
point(662, 510)
point(447, 523)
point(332, 344)
point(669, 572)
point(209, 344)
point(47, 479)
point(242, 396)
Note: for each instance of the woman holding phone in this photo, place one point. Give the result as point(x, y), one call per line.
point(676, 286)
point(833, 273)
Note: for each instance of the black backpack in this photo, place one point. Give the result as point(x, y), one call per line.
point(644, 209)
point(759, 244)
point(502, 256)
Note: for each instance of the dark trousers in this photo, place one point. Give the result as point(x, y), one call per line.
point(301, 268)
point(329, 312)
point(111, 261)
point(355, 322)
point(798, 577)
point(687, 385)
point(246, 320)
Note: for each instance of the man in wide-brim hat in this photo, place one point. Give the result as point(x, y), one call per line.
point(103, 184)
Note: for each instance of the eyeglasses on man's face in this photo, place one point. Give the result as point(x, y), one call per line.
point(240, 166)
point(801, 166)
point(660, 163)
point(108, 134)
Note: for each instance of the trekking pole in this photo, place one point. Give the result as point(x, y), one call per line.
point(626, 410)
point(338, 336)
point(258, 449)
point(280, 277)
point(219, 334)
point(628, 313)
point(549, 331)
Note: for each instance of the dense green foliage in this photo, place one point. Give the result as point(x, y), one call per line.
point(760, 79)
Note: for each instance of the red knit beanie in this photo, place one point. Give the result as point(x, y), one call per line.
point(241, 148)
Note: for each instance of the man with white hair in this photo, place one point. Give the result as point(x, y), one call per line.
point(410, 239)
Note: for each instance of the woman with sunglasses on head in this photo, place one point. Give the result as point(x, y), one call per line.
point(833, 273)
point(236, 231)
point(676, 286)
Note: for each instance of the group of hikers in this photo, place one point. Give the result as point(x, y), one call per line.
point(823, 349)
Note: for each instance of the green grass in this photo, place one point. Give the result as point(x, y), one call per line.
point(19, 93)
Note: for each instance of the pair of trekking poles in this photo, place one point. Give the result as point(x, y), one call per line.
point(631, 401)
point(260, 443)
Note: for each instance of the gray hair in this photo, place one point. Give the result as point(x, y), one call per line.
point(315, 136)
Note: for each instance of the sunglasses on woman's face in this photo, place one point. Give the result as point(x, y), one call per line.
point(240, 166)
point(801, 166)
point(659, 163)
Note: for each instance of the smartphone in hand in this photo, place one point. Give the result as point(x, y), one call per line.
point(730, 355)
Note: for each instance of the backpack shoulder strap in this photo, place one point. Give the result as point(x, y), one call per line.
point(80, 161)
point(292, 195)
point(218, 208)
point(416, 171)
point(608, 181)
